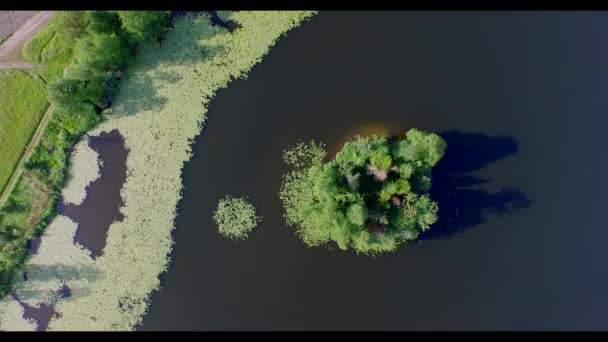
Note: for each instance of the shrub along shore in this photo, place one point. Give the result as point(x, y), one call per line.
point(105, 44)
point(159, 110)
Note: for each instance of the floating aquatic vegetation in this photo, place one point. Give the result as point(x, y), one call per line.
point(85, 169)
point(159, 111)
point(11, 316)
point(235, 217)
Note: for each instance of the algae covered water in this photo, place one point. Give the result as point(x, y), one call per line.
point(521, 241)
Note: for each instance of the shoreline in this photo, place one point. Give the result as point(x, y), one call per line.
point(159, 131)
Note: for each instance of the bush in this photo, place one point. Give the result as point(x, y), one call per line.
point(141, 25)
point(102, 53)
point(235, 217)
point(104, 22)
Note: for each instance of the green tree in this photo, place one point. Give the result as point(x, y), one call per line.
point(64, 94)
point(420, 149)
point(72, 24)
point(75, 96)
point(103, 22)
point(141, 25)
point(101, 53)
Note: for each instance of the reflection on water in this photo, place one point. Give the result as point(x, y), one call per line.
point(366, 129)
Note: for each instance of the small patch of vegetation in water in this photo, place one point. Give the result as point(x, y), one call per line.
point(371, 197)
point(235, 217)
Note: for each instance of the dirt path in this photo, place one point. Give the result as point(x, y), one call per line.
point(28, 152)
point(10, 50)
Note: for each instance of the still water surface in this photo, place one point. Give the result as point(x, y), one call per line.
point(520, 98)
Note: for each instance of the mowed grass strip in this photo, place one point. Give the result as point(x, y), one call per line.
point(23, 96)
point(22, 104)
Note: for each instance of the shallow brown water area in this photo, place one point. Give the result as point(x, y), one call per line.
point(336, 143)
point(102, 204)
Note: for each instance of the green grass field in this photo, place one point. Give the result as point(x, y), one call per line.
point(22, 105)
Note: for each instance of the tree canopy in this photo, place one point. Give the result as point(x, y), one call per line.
point(371, 197)
point(103, 22)
point(72, 23)
point(140, 25)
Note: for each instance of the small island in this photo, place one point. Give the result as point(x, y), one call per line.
point(371, 197)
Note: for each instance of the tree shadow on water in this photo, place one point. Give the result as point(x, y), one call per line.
point(216, 20)
point(461, 204)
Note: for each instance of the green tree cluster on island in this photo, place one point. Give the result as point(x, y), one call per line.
point(371, 197)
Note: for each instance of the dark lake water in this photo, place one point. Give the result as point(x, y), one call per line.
point(520, 98)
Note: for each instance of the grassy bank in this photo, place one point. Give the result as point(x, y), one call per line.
point(18, 118)
point(159, 110)
point(23, 94)
point(77, 98)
